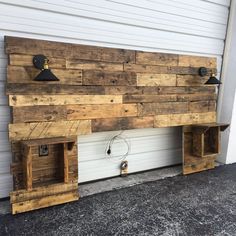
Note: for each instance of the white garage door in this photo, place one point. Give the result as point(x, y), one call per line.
point(176, 26)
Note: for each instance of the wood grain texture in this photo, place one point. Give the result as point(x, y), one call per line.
point(27, 60)
point(124, 123)
point(17, 74)
point(92, 77)
point(27, 46)
point(93, 65)
point(76, 112)
point(151, 58)
point(191, 80)
point(145, 79)
point(197, 61)
point(147, 109)
point(54, 89)
point(37, 100)
point(24, 131)
point(184, 119)
point(46, 201)
point(149, 98)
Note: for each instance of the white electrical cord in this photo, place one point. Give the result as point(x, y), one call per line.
point(108, 150)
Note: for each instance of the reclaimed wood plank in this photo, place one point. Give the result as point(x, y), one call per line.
point(46, 201)
point(191, 80)
point(149, 98)
point(145, 68)
point(33, 89)
point(93, 65)
point(145, 79)
point(147, 109)
point(18, 74)
point(92, 77)
point(184, 119)
point(197, 61)
point(199, 106)
point(75, 112)
point(124, 123)
point(24, 131)
point(154, 58)
point(38, 100)
point(27, 168)
point(211, 97)
point(27, 60)
point(24, 195)
point(17, 45)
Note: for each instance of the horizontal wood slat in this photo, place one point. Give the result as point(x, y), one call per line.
point(149, 98)
point(36, 100)
point(197, 61)
point(24, 131)
point(184, 119)
point(123, 123)
point(145, 79)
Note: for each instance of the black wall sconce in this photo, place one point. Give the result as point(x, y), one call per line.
point(212, 79)
point(41, 63)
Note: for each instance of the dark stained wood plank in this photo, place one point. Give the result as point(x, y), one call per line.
point(154, 58)
point(33, 89)
point(196, 97)
point(145, 68)
point(18, 45)
point(199, 106)
point(18, 74)
point(124, 123)
point(93, 77)
point(147, 109)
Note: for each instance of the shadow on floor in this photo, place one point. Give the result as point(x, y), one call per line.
point(198, 204)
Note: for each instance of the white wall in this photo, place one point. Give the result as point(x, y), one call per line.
point(226, 103)
point(176, 26)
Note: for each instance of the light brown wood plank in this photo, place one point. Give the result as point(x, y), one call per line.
point(147, 109)
point(145, 68)
point(27, 60)
point(149, 98)
point(24, 131)
point(24, 195)
point(42, 202)
point(93, 65)
point(38, 100)
point(17, 74)
point(145, 79)
point(191, 80)
point(199, 106)
point(108, 124)
point(184, 119)
point(92, 77)
point(197, 61)
point(75, 112)
point(154, 58)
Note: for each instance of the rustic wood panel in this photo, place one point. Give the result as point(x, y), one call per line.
point(76, 112)
point(27, 60)
point(197, 97)
point(36, 100)
point(190, 80)
point(93, 65)
point(184, 119)
point(151, 58)
point(147, 109)
point(92, 77)
point(17, 74)
point(145, 79)
point(23, 131)
point(123, 123)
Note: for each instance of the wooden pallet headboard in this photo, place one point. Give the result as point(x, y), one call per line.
point(102, 89)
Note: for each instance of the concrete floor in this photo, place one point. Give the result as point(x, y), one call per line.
point(197, 204)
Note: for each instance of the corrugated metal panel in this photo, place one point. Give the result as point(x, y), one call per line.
point(178, 26)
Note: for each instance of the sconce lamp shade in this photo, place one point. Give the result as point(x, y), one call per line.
point(213, 80)
point(46, 75)
point(41, 62)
